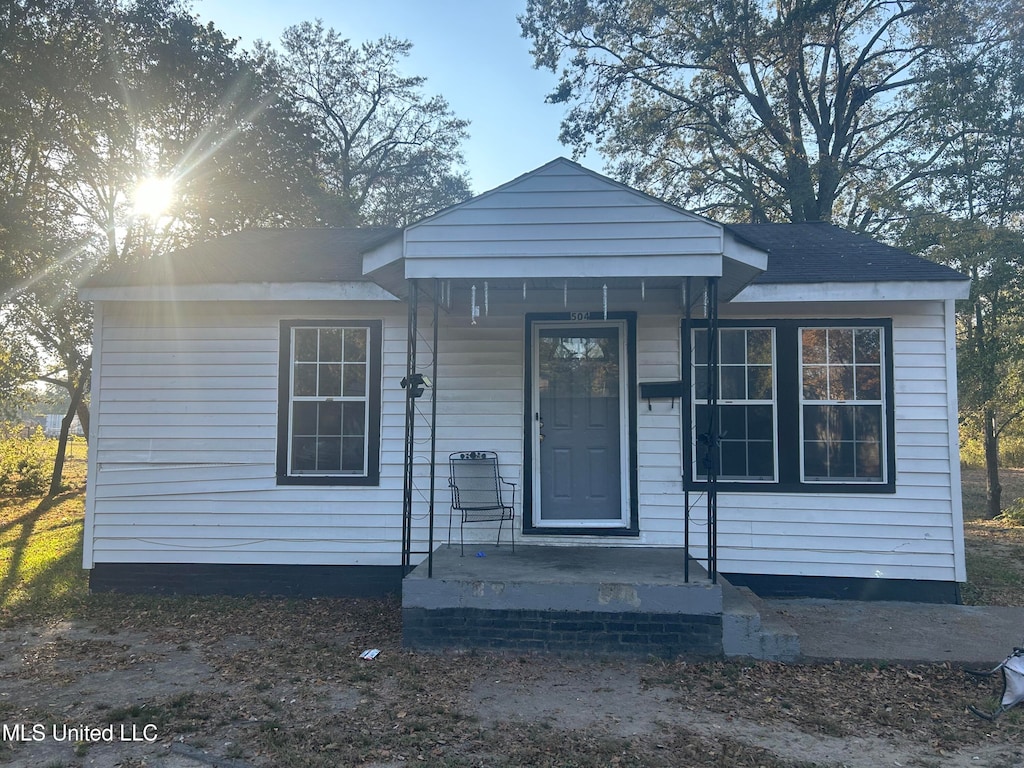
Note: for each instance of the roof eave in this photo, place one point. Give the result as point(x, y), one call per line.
point(874, 290)
point(362, 290)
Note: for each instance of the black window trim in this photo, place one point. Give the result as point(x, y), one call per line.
point(788, 421)
point(372, 476)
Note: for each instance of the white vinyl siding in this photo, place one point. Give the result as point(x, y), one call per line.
point(185, 418)
point(185, 414)
point(910, 534)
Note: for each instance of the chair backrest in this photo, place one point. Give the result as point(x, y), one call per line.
point(474, 480)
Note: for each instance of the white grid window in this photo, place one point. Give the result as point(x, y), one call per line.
point(842, 398)
point(329, 401)
point(746, 410)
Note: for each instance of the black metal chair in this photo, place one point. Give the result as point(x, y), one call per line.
point(477, 494)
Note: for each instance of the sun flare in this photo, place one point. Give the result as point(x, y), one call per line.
point(153, 196)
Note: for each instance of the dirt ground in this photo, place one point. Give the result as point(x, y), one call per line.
point(187, 684)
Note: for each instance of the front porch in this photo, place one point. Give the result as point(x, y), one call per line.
point(601, 600)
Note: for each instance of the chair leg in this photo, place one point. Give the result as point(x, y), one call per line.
point(462, 537)
point(512, 531)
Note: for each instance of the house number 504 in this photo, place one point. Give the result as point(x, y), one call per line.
point(579, 315)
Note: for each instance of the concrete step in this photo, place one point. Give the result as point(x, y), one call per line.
point(752, 629)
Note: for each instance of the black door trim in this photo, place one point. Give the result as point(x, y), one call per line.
point(633, 529)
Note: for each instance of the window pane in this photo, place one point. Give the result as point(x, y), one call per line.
point(759, 422)
point(305, 380)
point(328, 454)
point(733, 346)
point(303, 454)
point(732, 422)
point(868, 345)
point(329, 380)
point(352, 454)
point(815, 422)
point(761, 460)
point(759, 346)
point(868, 423)
point(842, 442)
point(816, 460)
point(869, 382)
point(740, 455)
point(700, 347)
point(703, 413)
point(840, 460)
point(355, 345)
point(869, 464)
point(329, 421)
point(815, 382)
point(305, 344)
point(354, 422)
point(840, 345)
point(746, 373)
point(355, 380)
point(700, 382)
point(840, 422)
point(304, 418)
point(330, 345)
point(813, 345)
point(734, 459)
point(733, 384)
point(840, 382)
point(759, 382)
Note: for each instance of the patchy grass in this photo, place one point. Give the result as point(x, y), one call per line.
point(994, 548)
point(279, 682)
point(41, 550)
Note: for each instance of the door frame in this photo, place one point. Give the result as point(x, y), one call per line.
point(627, 322)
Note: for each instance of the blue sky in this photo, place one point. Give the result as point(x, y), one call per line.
point(470, 51)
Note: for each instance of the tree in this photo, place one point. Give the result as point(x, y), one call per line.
point(990, 327)
point(762, 110)
point(978, 190)
point(99, 95)
point(391, 155)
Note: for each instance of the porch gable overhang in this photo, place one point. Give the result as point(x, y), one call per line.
point(563, 221)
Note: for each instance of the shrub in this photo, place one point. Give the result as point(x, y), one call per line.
point(25, 461)
point(1013, 513)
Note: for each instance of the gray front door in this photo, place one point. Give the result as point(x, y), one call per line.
point(579, 423)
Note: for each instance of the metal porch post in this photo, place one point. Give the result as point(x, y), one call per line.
point(433, 438)
point(410, 426)
point(685, 402)
point(713, 443)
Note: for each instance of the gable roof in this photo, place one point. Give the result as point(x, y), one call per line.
point(302, 255)
point(818, 252)
point(563, 220)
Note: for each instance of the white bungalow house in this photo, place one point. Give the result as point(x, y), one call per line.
point(249, 428)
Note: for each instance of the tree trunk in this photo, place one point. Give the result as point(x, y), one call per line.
point(62, 443)
point(993, 490)
point(83, 418)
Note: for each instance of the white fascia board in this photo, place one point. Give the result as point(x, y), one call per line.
point(347, 291)
point(385, 254)
point(738, 250)
point(690, 265)
point(868, 291)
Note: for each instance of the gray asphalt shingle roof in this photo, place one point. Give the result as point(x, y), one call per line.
point(798, 253)
point(817, 252)
point(258, 256)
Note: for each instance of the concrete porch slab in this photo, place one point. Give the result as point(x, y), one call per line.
point(563, 578)
point(594, 599)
